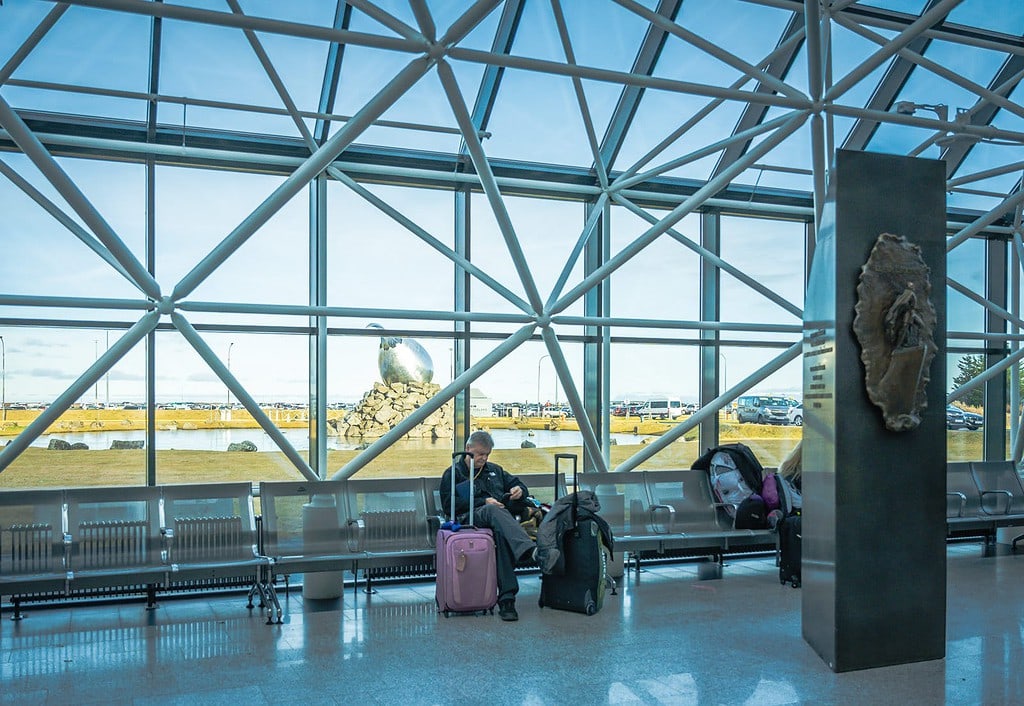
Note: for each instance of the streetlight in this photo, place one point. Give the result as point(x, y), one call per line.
point(230, 345)
point(96, 357)
point(725, 380)
point(3, 377)
point(539, 361)
point(106, 376)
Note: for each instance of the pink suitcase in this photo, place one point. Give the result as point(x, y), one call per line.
point(467, 577)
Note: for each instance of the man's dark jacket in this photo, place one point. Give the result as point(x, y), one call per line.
point(492, 481)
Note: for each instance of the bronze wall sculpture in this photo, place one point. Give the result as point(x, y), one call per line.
point(895, 325)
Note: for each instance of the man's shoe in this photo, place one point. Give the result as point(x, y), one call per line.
point(507, 610)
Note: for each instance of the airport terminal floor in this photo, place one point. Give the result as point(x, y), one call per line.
point(666, 638)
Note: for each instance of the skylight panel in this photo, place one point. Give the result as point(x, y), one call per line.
point(929, 95)
point(910, 7)
point(657, 119)
point(84, 64)
point(211, 63)
point(536, 118)
point(995, 15)
point(604, 35)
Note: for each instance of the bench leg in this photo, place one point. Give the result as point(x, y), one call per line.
point(151, 597)
point(16, 602)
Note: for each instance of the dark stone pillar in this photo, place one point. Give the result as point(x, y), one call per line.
point(874, 552)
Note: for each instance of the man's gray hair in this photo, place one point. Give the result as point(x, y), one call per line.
point(481, 438)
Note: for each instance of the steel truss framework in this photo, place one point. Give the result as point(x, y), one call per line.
point(797, 89)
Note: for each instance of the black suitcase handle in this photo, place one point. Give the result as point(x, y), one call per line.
point(575, 484)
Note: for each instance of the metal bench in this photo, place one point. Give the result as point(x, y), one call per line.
point(964, 514)
point(33, 550)
point(669, 513)
point(695, 520)
point(305, 528)
point(115, 541)
point(626, 507)
point(211, 539)
point(1002, 493)
point(394, 529)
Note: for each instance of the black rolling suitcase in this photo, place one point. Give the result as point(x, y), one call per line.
point(581, 587)
point(790, 537)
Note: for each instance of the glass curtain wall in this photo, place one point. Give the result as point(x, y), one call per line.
point(433, 218)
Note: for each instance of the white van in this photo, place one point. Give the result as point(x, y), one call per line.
point(662, 408)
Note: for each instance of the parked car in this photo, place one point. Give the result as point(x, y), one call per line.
point(955, 418)
point(795, 415)
point(763, 409)
point(626, 409)
point(663, 408)
point(973, 421)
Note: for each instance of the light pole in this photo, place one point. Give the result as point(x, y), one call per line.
point(96, 357)
point(539, 361)
point(106, 377)
point(725, 380)
point(230, 345)
point(3, 377)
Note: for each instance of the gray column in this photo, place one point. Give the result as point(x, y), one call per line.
point(712, 366)
point(995, 352)
point(597, 347)
point(460, 342)
point(318, 326)
point(874, 551)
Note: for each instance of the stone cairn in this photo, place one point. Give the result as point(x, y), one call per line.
point(384, 406)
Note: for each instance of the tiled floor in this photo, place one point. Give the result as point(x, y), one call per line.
point(666, 638)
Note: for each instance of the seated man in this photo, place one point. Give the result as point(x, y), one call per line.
point(497, 494)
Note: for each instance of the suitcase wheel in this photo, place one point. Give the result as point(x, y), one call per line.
point(445, 613)
point(796, 582)
point(591, 608)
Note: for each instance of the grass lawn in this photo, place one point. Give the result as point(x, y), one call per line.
point(38, 467)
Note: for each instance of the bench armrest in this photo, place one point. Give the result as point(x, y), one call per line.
point(167, 542)
point(1009, 501)
point(434, 523)
point(653, 509)
point(963, 502)
point(356, 534)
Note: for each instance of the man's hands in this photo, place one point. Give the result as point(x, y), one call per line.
point(515, 494)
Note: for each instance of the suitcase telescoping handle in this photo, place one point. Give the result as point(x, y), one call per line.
point(575, 482)
point(456, 460)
